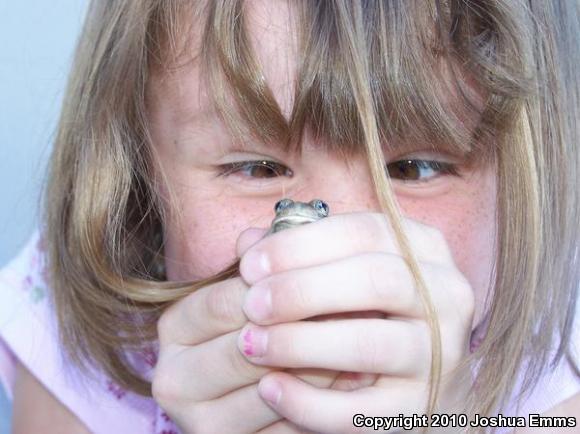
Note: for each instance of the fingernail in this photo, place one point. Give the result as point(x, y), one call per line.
point(258, 304)
point(254, 266)
point(253, 341)
point(270, 390)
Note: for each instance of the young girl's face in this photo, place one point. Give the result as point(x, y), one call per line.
point(194, 149)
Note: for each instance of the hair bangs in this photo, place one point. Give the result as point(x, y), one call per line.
point(425, 92)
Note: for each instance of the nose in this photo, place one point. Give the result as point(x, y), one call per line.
point(344, 187)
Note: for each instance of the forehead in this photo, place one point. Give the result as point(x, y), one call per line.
point(279, 76)
point(272, 32)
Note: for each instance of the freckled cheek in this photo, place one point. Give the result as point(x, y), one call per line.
point(471, 244)
point(468, 227)
point(470, 241)
point(207, 243)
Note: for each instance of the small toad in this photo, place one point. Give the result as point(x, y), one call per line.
point(290, 213)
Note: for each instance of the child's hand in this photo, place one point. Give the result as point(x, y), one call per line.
point(201, 379)
point(346, 263)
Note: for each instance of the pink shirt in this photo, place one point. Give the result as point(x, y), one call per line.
point(28, 333)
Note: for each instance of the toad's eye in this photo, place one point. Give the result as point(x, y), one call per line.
point(282, 204)
point(420, 170)
point(320, 206)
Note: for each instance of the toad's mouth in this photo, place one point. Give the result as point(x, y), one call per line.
point(296, 220)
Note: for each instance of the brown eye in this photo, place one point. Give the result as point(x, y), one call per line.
point(419, 170)
point(257, 169)
point(262, 170)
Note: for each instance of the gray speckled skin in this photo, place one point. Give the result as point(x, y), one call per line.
point(296, 214)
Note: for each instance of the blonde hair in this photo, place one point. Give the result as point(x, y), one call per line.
point(494, 81)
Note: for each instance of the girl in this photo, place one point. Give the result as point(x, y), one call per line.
point(441, 134)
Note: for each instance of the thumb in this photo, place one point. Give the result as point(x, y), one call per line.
point(248, 238)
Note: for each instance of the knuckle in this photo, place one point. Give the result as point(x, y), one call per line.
point(452, 292)
point(163, 387)
point(241, 367)
point(164, 326)
point(361, 229)
point(462, 296)
point(304, 415)
point(201, 419)
point(377, 275)
point(406, 296)
point(368, 354)
point(391, 283)
point(171, 392)
point(219, 306)
point(376, 225)
point(438, 244)
point(436, 282)
point(298, 295)
point(429, 239)
point(420, 348)
point(454, 356)
point(466, 297)
point(284, 347)
point(350, 227)
point(436, 235)
point(454, 349)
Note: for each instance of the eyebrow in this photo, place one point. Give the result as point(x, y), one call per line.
point(191, 121)
point(187, 116)
point(203, 120)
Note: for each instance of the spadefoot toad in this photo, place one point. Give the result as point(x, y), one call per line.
point(290, 213)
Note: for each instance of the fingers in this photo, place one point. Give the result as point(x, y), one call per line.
point(371, 281)
point(282, 427)
point(213, 388)
point(210, 311)
point(336, 237)
point(252, 415)
point(209, 370)
point(206, 371)
point(393, 347)
point(248, 238)
point(204, 314)
point(324, 410)
point(376, 281)
point(353, 380)
point(241, 411)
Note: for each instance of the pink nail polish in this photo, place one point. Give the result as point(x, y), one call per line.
point(254, 341)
